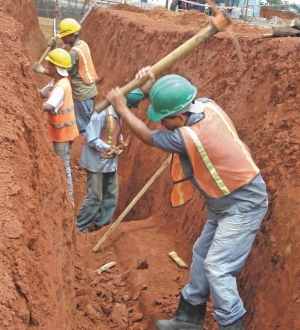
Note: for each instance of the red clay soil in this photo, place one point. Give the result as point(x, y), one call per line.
point(37, 222)
point(40, 279)
point(268, 13)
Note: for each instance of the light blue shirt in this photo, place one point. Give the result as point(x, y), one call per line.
point(245, 198)
point(90, 157)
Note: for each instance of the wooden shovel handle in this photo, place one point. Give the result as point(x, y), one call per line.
point(44, 55)
point(129, 207)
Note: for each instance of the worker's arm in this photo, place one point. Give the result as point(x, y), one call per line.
point(118, 101)
point(42, 96)
point(55, 100)
point(73, 69)
point(48, 107)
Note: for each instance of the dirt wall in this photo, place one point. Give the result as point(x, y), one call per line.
point(268, 13)
point(38, 280)
point(262, 97)
point(24, 12)
point(37, 221)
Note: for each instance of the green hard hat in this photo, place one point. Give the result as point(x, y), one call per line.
point(134, 98)
point(168, 95)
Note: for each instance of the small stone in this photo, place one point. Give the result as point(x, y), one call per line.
point(137, 317)
point(136, 297)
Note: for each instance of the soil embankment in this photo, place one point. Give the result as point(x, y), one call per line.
point(262, 97)
point(37, 222)
point(268, 13)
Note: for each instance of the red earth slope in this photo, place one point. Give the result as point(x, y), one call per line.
point(261, 96)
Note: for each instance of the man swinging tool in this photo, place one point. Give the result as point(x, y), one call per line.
point(208, 154)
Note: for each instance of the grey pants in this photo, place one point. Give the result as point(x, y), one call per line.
point(63, 150)
point(83, 112)
point(218, 255)
point(99, 204)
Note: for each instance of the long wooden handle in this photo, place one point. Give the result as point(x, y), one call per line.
point(267, 35)
point(44, 55)
point(49, 47)
point(129, 207)
point(219, 23)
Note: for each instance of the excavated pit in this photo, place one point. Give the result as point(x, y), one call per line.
point(47, 271)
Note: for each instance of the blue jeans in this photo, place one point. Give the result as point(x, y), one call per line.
point(83, 112)
point(63, 150)
point(218, 255)
point(99, 204)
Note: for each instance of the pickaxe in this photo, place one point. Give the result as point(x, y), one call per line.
point(220, 23)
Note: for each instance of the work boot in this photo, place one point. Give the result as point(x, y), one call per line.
point(237, 325)
point(187, 317)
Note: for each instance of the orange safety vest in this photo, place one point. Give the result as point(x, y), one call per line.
point(111, 133)
point(62, 125)
point(221, 162)
point(85, 64)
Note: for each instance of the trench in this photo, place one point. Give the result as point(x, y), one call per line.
point(54, 266)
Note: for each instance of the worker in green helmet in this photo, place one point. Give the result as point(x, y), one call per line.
point(209, 155)
point(103, 143)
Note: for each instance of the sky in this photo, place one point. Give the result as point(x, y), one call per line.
point(297, 2)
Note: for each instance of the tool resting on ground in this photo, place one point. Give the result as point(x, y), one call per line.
point(285, 31)
point(133, 202)
point(220, 23)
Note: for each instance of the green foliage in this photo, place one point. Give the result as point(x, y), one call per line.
point(295, 9)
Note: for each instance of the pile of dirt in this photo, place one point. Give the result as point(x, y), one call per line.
point(261, 96)
point(268, 13)
point(192, 20)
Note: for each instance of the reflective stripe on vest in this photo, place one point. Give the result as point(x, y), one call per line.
point(111, 133)
point(207, 161)
point(85, 65)
point(221, 163)
point(61, 112)
point(67, 124)
point(61, 125)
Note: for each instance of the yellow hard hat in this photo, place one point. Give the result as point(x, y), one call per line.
point(68, 26)
point(59, 57)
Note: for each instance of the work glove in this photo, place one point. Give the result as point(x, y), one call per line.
point(52, 42)
point(37, 67)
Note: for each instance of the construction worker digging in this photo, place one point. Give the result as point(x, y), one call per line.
point(208, 154)
point(59, 108)
point(82, 72)
point(99, 158)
